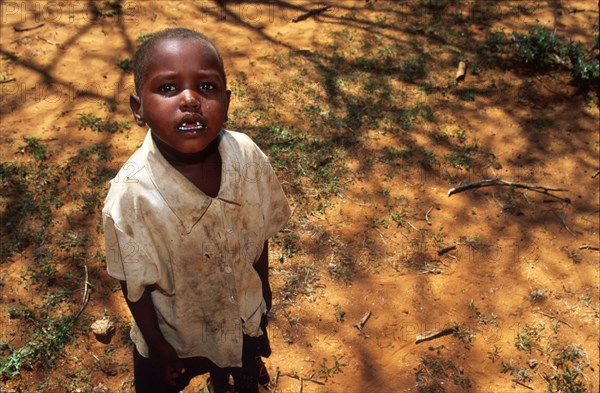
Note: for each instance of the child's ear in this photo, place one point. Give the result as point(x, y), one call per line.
point(136, 107)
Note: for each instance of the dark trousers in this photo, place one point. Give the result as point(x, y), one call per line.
point(245, 378)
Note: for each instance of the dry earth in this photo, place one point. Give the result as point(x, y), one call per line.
point(521, 292)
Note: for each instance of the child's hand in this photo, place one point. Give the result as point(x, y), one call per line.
point(167, 362)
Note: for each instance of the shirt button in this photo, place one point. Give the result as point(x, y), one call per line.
point(228, 269)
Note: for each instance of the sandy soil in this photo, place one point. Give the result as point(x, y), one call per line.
point(518, 264)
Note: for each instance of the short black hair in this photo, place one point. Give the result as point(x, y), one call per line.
point(142, 56)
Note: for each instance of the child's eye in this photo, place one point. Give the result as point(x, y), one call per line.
point(207, 86)
point(167, 88)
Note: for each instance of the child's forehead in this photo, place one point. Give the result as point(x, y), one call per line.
point(172, 46)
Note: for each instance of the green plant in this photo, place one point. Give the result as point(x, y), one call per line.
point(95, 123)
point(143, 38)
point(338, 312)
point(529, 336)
point(399, 217)
point(411, 69)
point(466, 94)
point(126, 65)
point(326, 371)
point(35, 148)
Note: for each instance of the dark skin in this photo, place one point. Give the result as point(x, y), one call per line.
point(184, 101)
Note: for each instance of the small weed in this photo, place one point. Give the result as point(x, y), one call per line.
point(432, 374)
point(494, 354)
point(428, 158)
point(375, 222)
point(393, 153)
point(143, 38)
point(466, 335)
point(338, 312)
point(574, 256)
point(399, 217)
point(466, 94)
point(126, 65)
point(438, 236)
point(35, 148)
point(528, 337)
point(341, 268)
point(327, 371)
point(537, 295)
point(518, 373)
point(95, 123)
point(412, 69)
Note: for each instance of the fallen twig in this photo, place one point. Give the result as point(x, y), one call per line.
point(310, 13)
point(522, 384)
point(553, 317)
point(363, 321)
point(274, 387)
point(588, 247)
point(45, 40)
point(299, 377)
point(20, 29)
point(427, 215)
point(563, 221)
point(435, 333)
point(499, 182)
point(446, 249)
point(596, 174)
point(8, 80)
point(86, 294)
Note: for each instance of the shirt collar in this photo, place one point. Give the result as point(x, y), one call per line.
point(185, 199)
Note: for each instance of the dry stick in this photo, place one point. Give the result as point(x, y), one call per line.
point(86, 294)
point(363, 321)
point(277, 374)
point(296, 376)
point(8, 80)
point(596, 174)
point(563, 220)
point(427, 215)
point(46, 40)
point(432, 334)
point(522, 384)
point(19, 29)
point(553, 317)
point(446, 249)
point(310, 13)
point(499, 182)
point(588, 247)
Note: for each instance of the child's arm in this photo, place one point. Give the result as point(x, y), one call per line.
point(262, 268)
point(162, 353)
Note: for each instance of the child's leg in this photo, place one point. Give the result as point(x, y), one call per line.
point(147, 380)
point(245, 378)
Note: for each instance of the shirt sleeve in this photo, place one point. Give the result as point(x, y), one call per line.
point(134, 261)
point(276, 209)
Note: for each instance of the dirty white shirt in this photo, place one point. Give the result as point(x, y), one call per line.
point(197, 251)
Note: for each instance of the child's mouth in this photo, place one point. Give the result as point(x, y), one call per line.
point(191, 126)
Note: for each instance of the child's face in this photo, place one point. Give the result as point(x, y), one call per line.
point(184, 98)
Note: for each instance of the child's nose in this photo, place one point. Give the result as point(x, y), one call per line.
point(189, 101)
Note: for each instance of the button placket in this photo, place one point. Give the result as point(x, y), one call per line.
point(229, 258)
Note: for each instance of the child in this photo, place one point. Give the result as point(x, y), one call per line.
point(186, 224)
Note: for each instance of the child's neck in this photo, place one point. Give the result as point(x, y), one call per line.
point(202, 169)
point(177, 158)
